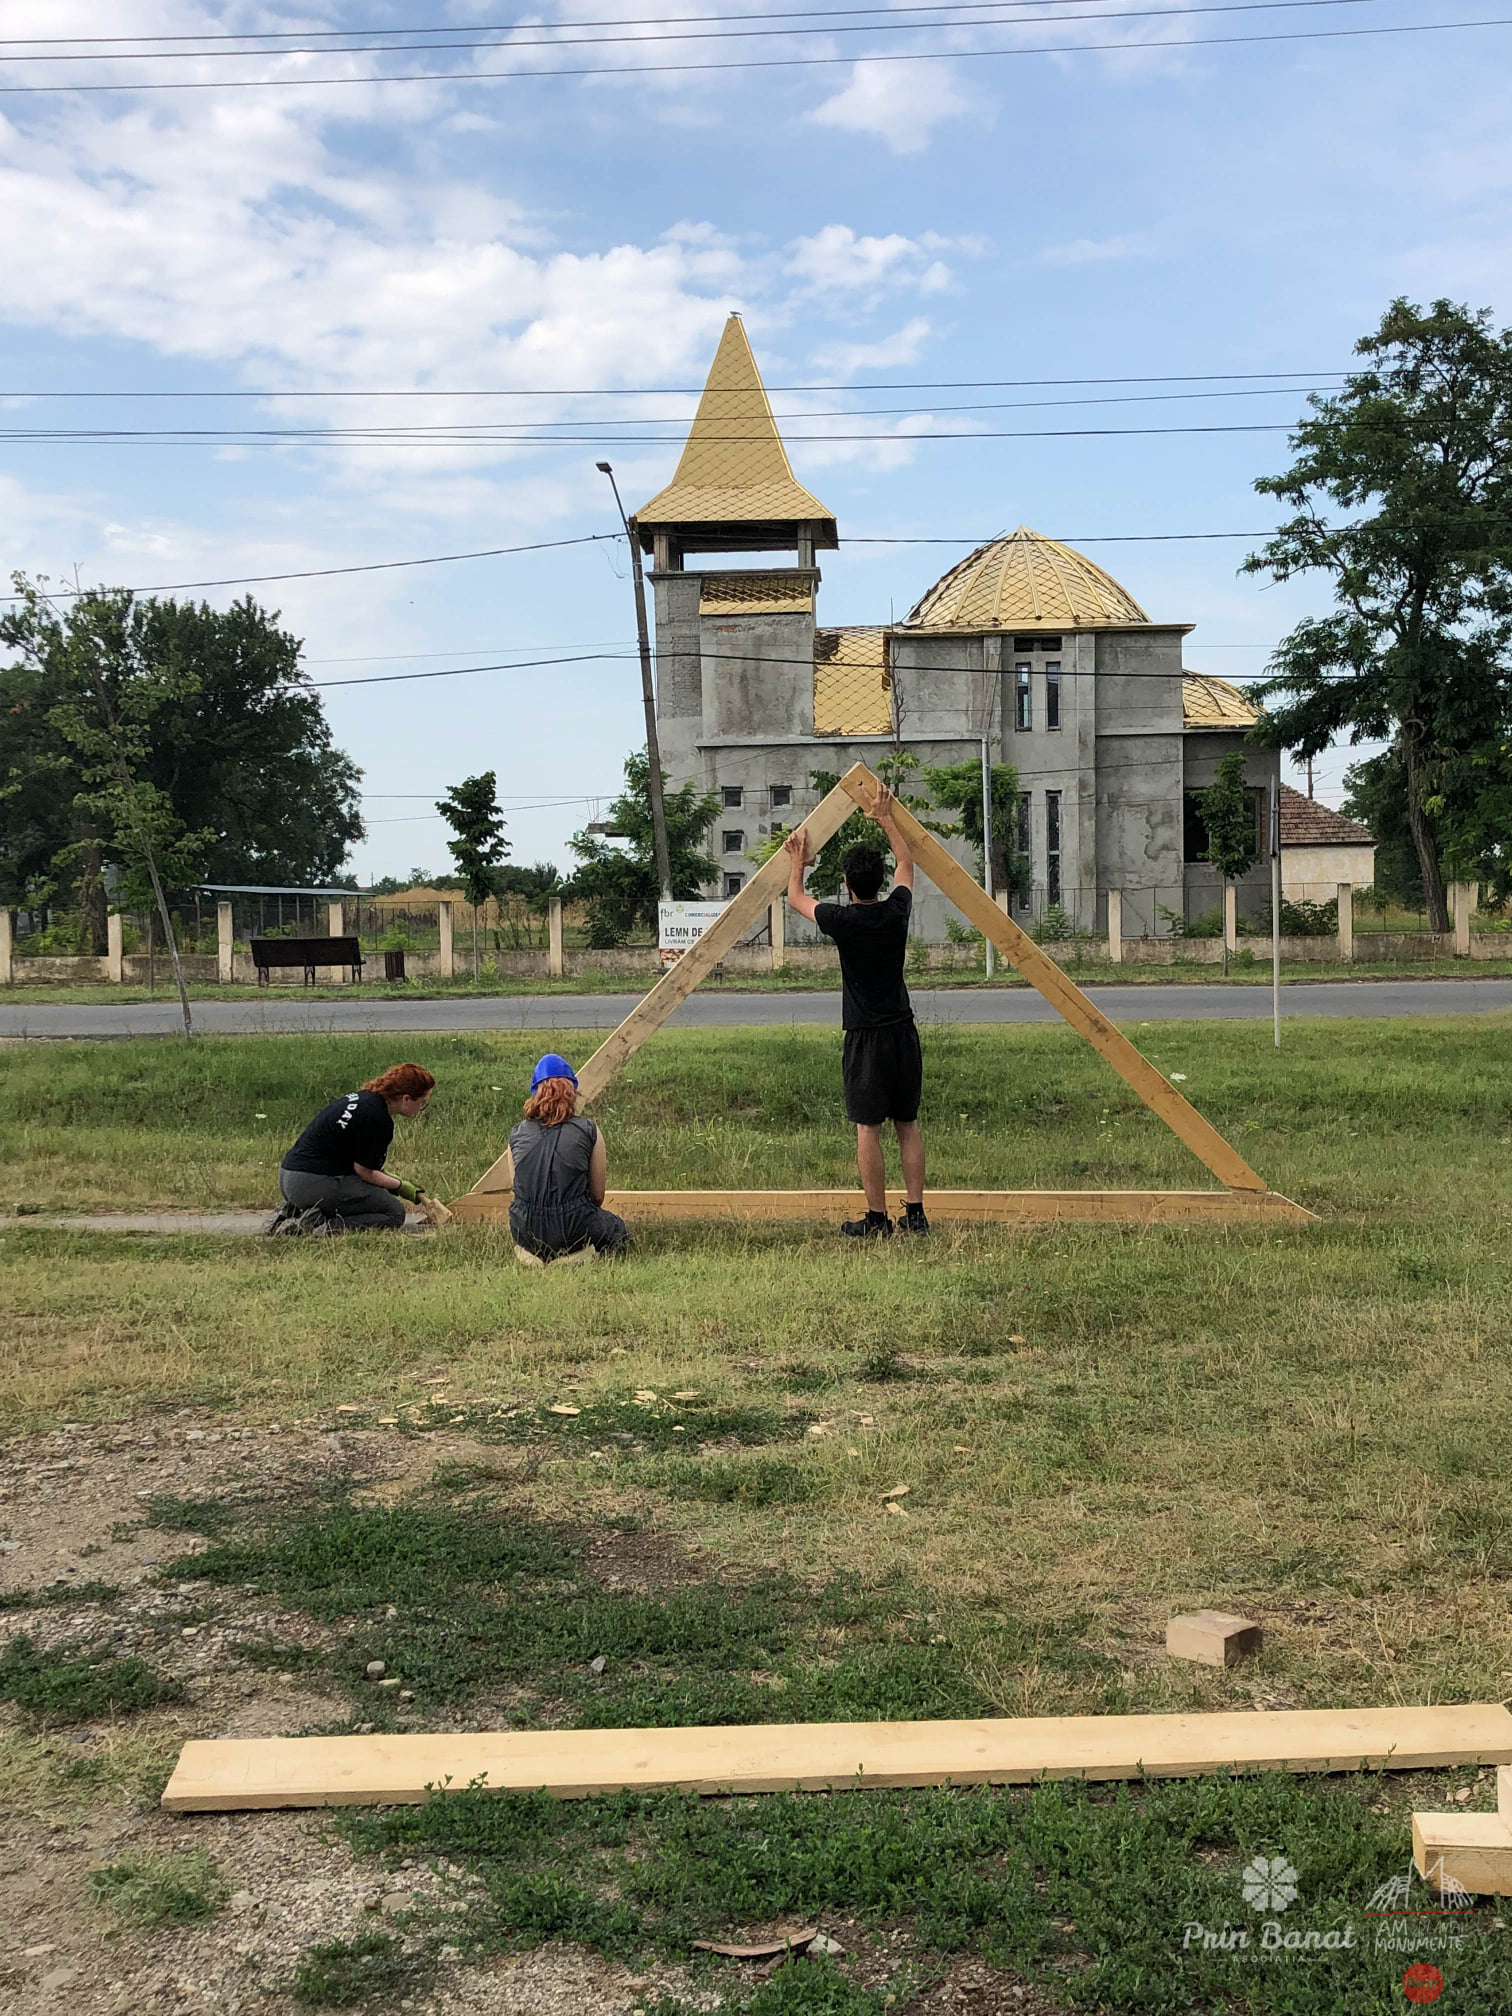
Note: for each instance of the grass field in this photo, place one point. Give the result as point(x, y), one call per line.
point(1097, 1427)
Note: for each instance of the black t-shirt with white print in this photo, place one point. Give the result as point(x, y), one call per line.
point(357, 1127)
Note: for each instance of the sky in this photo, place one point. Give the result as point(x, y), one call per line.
point(1089, 254)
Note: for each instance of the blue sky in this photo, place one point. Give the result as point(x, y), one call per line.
point(1171, 212)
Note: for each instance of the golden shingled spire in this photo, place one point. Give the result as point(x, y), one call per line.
point(734, 468)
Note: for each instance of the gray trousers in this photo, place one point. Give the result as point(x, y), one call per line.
point(362, 1206)
point(549, 1236)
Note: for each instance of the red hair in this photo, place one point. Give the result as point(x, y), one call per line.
point(402, 1081)
point(553, 1101)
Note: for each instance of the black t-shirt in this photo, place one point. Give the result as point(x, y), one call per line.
point(357, 1127)
point(872, 940)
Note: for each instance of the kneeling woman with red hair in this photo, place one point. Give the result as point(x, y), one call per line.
point(333, 1178)
point(560, 1171)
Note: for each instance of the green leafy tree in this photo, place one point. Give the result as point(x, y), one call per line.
point(958, 787)
point(826, 877)
point(225, 729)
point(1375, 791)
point(1228, 813)
point(621, 888)
point(1401, 495)
point(477, 846)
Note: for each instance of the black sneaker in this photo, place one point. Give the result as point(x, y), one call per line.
point(282, 1221)
point(875, 1225)
point(913, 1219)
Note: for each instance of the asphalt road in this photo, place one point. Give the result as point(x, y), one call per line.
point(1202, 1003)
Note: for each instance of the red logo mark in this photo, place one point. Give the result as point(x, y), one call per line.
point(1422, 1982)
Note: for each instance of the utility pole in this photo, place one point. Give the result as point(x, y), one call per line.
point(1275, 865)
point(987, 963)
point(648, 695)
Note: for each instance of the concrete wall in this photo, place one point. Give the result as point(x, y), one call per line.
point(1313, 874)
point(1139, 767)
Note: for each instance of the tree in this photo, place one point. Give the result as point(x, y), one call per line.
point(103, 722)
point(958, 787)
point(1228, 813)
point(827, 877)
point(227, 733)
point(478, 847)
point(622, 889)
point(1376, 792)
point(1417, 450)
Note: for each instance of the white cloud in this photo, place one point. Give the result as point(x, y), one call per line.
point(901, 103)
point(838, 261)
point(904, 346)
point(1094, 251)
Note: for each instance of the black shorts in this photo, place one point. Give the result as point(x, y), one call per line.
point(883, 1073)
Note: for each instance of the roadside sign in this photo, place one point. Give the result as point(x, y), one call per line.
point(681, 925)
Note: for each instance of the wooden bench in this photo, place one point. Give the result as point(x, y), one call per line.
point(306, 952)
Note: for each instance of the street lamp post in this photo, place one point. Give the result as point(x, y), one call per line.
point(648, 695)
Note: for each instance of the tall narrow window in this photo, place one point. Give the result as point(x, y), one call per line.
point(1023, 839)
point(1052, 694)
point(733, 884)
point(1023, 702)
point(1052, 846)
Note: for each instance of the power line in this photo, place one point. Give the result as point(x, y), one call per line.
point(483, 27)
point(557, 39)
point(364, 567)
point(689, 391)
point(463, 671)
point(399, 438)
point(755, 63)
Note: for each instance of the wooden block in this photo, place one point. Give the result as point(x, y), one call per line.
point(1212, 1637)
point(382, 1770)
point(1504, 1792)
point(994, 1207)
point(1473, 1850)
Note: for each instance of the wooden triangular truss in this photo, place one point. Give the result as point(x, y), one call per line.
point(1244, 1193)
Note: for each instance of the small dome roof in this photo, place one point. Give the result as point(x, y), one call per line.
point(1025, 579)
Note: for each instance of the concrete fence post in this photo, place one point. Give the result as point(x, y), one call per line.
point(445, 962)
point(7, 948)
point(115, 957)
point(1115, 926)
point(555, 965)
point(1346, 921)
point(777, 920)
point(225, 945)
point(1463, 898)
point(336, 928)
point(1231, 916)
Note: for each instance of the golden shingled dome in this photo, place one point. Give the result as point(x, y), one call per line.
point(1025, 579)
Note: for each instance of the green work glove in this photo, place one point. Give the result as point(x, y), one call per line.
point(410, 1192)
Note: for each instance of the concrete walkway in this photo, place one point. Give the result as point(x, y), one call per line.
point(705, 1010)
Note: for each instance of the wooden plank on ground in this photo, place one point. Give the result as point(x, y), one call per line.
point(1041, 971)
point(990, 1207)
point(377, 1770)
point(1473, 1850)
point(739, 915)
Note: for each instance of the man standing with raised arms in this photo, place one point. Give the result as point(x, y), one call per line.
point(883, 1068)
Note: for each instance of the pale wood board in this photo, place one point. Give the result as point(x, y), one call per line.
point(993, 1207)
point(242, 1773)
point(739, 915)
point(1473, 1849)
point(1041, 971)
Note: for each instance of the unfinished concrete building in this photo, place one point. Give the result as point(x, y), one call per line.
point(1025, 643)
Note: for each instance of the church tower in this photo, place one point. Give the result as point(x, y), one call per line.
point(735, 646)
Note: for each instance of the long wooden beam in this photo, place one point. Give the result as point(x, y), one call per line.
point(739, 915)
point(992, 1207)
point(1041, 971)
point(240, 1773)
